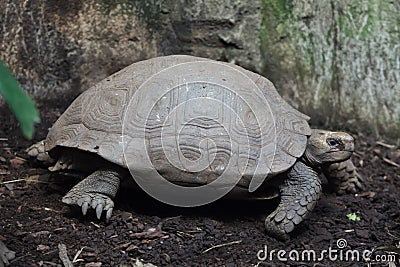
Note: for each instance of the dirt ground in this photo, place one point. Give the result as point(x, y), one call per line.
point(226, 233)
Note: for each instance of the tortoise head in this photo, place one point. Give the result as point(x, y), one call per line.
point(326, 147)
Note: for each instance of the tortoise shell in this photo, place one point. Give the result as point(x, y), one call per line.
point(192, 117)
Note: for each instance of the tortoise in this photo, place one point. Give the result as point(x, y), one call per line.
point(217, 111)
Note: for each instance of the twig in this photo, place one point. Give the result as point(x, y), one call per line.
point(385, 145)
point(223, 245)
point(23, 180)
point(77, 254)
point(172, 218)
point(392, 235)
point(391, 162)
point(182, 234)
point(151, 233)
point(96, 225)
point(64, 255)
point(21, 159)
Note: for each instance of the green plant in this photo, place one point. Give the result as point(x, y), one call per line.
point(19, 102)
point(353, 217)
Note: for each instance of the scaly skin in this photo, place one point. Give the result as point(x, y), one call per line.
point(299, 195)
point(301, 189)
point(344, 177)
point(96, 191)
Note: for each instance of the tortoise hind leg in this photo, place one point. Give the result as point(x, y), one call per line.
point(96, 191)
point(299, 195)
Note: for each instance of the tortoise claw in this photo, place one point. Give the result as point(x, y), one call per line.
point(95, 191)
point(99, 210)
point(96, 201)
point(85, 207)
point(108, 214)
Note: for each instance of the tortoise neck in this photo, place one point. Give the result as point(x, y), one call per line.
point(311, 161)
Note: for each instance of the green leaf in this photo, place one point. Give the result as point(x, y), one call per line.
point(19, 102)
point(353, 217)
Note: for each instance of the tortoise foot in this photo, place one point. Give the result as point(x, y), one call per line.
point(37, 151)
point(95, 191)
point(352, 185)
point(96, 201)
point(278, 230)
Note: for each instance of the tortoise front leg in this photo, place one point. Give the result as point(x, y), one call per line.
point(299, 195)
point(96, 191)
point(37, 151)
point(344, 177)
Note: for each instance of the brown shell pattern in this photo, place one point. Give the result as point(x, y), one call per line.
point(93, 122)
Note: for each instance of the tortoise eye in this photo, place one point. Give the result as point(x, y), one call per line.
point(333, 143)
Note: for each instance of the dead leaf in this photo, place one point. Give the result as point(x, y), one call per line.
point(93, 264)
point(122, 246)
point(131, 248)
point(10, 187)
point(4, 172)
point(149, 234)
point(42, 248)
point(377, 151)
point(139, 263)
point(395, 155)
point(369, 194)
point(16, 162)
point(37, 234)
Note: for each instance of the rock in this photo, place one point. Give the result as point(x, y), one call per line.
point(6, 255)
point(362, 233)
point(315, 52)
point(139, 263)
point(80, 44)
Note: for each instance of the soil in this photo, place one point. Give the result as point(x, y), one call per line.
point(34, 221)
